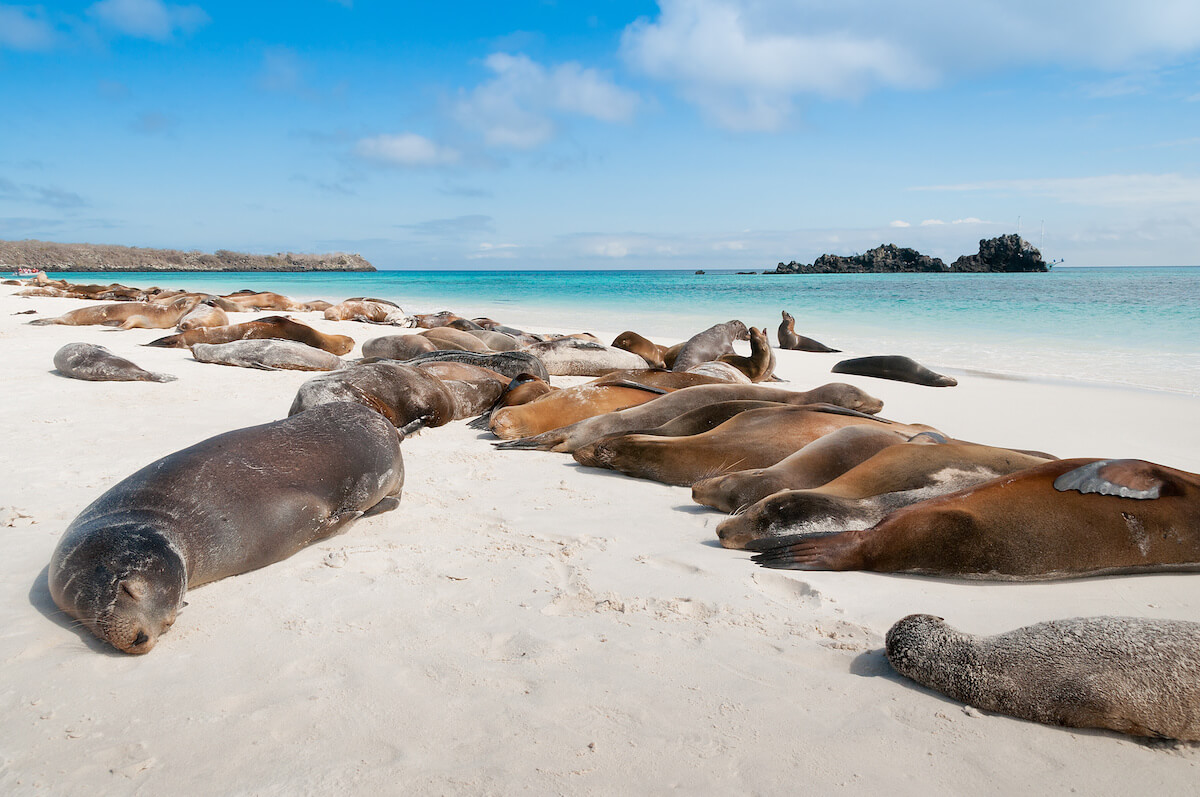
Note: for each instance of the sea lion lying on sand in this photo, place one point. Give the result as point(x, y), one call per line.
point(274, 326)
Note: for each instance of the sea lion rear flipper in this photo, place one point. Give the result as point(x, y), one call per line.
point(541, 442)
point(384, 505)
point(1125, 478)
point(481, 423)
point(162, 377)
point(828, 551)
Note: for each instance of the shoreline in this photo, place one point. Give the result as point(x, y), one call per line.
point(546, 626)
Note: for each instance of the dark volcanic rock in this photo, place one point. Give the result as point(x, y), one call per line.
point(885, 259)
point(1006, 253)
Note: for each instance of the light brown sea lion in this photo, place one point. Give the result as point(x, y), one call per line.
point(449, 338)
point(894, 366)
point(203, 314)
point(406, 395)
point(567, 406)
point(398, 347)
point(1065, 519)
point(263, 300)
point(360, 310)
point(274, 326)
point(789, 339)
point(572, 356)
point(663, 409)
point(521, 389)
point(268, 354)
point(1128, 674)
point(464, 325)
point(857, 499)
point(657, 377)
point(98, 364)
point(760, 365)
point(233, 503)
point(811, 466)
point(752, 439)
point(719, 372)
point(652, 353)
point(709, 344)
point(496, 341)
point(126, 315)
point(431, 320)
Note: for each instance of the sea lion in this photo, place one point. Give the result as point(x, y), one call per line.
point(811, 466)
point(894, 366)
point(398, 347)
point(464, 325)
point(227, 505)
point(274, 326)
point(496, 326)
point(755, 438)
point(661, 410)
point(709, 344)
point(652, 353)
point(497, 341)
point(667, 380)
point(566, 406)
point(788, 339)
point(263, 300)
point(268, 355)
point(407, 396)
point(1129, 674)
point(364, 310)
point(204, 314)
point(570, 356)
point(98, 364)
point(126, 315)
point(430, 320)
point(510, 363)
point(760, 365)
point(1051, 521)
point(521, 389)
point(718, 371)
point(894, 477)
point(450, 339)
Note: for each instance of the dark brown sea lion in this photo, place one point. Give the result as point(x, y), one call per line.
point(233, 503)
point(571, 356)
point(567, 406)
point(1065, 519)
point(398, 347)
point(652, 353)
point(760, 365)
point(811, 466)
point(894, 366)
point(268, 354)
point(126, 315)
point(496, 326)
point(752, 439)
point(895, 477)
point(406, 395)
point(709, 344)
point(1128, 674)
point(788, 339)
point(274, 326)
point(663, 409)
point(98, 364)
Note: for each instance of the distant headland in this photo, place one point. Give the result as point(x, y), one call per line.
point(1007, 253)
point(49, 256)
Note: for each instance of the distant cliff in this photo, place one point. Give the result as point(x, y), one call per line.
point(1007, 253)
point(49, 256)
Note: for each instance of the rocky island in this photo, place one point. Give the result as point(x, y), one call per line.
point(49, 256)
point(1007, 253)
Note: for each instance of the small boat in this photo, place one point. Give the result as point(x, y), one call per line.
point(24, 271)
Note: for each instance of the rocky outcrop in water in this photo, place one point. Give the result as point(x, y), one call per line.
point(1008, 253)
point(49, 256)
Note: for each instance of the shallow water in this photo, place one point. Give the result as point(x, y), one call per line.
point(1129, 326)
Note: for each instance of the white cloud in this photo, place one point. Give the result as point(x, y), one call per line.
point(515, 109)
point(744, 62)
point(148, 19)
point(25, 28)
point(499, 251)
point(932, 222)
point(1106, 190)
point(899, 224)
point(406, 149)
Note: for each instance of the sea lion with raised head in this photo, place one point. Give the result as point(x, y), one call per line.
point(97, 364)
point(789, 339)
point(753, 439)
point(894, 477)
point(663, 409)
point(709, 345)
point(268, 354)
point(1133, 675)
point(274, 326)
point(233, 503)
point(896, 367)
point(571, 356)
point(760, 365)
point(1070, 518)
point(652, 353)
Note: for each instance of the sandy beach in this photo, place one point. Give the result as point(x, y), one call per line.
point(525, 624)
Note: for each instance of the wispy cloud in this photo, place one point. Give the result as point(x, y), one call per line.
point(406, 149)
point(149, 19)
point(1106, 190)
point(281, 70)
point(26, 28)
point(40, 195)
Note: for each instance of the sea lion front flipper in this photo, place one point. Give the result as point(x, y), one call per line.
point(828, 551)
point(384, 505)
point(637, 386)
point(1125, 478)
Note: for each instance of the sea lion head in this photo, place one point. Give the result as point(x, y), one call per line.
point(922, 646)
point(125, 583)
point(848, 396)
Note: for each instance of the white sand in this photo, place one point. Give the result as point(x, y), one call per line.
point(522, 624)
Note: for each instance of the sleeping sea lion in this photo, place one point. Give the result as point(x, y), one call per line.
point(652, 353)
point(274, 326)
point(268, 354)
point(571, 356)
point(894, 366)
point(98, 364)
point(406, 395)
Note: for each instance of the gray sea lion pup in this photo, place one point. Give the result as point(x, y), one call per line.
point(894, 366)
point(709, 344)
point(672, 405)
point(575, 357)
point(233, 503)
point(1127, 674)
point(788, 339)
point(268, 354)
point(98, 364)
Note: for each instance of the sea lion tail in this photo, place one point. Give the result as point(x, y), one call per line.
point(802, 551)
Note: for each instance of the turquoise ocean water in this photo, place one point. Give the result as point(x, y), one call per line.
point(1129, 326)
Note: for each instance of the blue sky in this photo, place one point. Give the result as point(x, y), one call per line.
point(677, 134)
